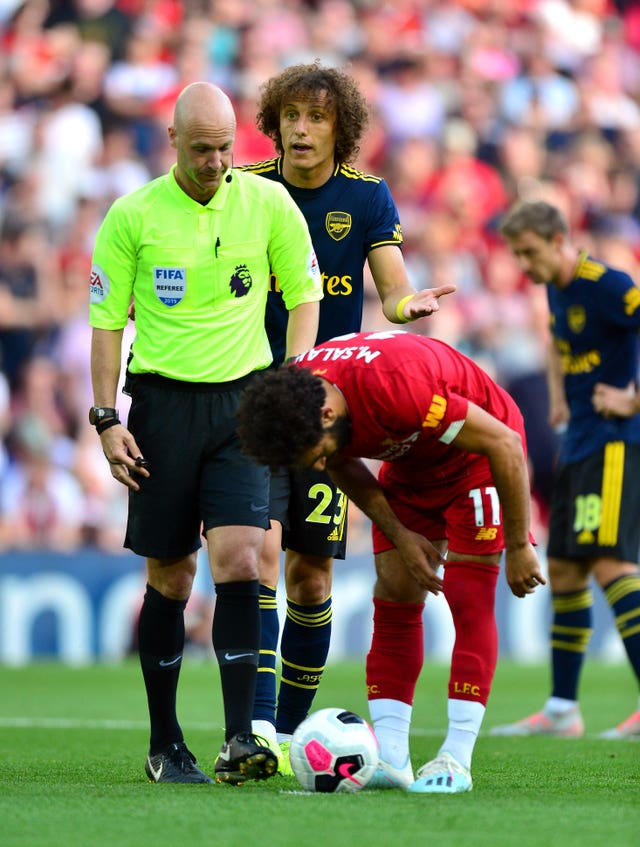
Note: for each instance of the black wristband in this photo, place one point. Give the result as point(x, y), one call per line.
point(102, 425)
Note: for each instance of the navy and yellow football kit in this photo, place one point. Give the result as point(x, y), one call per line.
point(349, 216)
point(595, 506)
point(595, 322)
point(596, 503)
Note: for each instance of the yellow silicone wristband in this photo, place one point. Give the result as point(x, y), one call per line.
point(400, 309)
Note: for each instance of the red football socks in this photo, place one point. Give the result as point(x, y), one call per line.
point(470, 590)
point(397, 651)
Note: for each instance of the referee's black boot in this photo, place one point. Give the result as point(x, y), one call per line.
point(175, 764)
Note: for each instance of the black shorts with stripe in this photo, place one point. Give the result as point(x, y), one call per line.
point(200, 478)
point(595, 506)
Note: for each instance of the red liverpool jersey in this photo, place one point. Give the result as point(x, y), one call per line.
point(407, 397)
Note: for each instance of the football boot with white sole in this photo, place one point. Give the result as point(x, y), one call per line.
point(626, 730)
point(442, 775)
point(567, 724)
point(386, 776)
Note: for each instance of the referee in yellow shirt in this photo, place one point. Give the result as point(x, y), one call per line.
point(195, 249)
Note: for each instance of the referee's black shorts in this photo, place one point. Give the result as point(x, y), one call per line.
point(200, 478)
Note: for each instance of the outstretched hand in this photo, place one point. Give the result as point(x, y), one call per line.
point(425, 302)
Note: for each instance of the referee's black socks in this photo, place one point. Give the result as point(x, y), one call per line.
point(160, 644)
point(236, 640)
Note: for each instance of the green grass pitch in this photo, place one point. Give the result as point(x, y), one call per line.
point(73, 743)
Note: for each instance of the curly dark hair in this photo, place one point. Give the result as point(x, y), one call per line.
point(280, 416)
point(300, 82)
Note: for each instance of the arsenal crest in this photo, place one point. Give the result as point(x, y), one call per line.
point(576, 318)
point(338, 224)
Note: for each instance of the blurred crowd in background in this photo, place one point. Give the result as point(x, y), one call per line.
point(475, 104)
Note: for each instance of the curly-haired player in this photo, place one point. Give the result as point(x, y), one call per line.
point(453, 471)
point(316, 116)
point(340, 94)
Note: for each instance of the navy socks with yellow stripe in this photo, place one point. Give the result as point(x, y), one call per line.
point(623, 597)
point(571, 630)
point(572, 627)
point(306, 636)
point(264, 708)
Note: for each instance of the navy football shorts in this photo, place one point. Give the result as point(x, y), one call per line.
point(312, 511)
point(595, 506)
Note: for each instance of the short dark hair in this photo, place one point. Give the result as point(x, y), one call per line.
point(280, 416)
point(300, 82)
point(539, 217)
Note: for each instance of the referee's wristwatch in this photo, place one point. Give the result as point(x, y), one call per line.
point(103, 417)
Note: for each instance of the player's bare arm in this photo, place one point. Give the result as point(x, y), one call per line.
point(401, 302)
point(482, 433)
point(106, 348)
point(118, 444)
point(612, 402)
point(302, 328)
point(417, 553)
point(558, 406)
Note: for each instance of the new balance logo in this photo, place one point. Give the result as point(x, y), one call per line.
point(487, 533)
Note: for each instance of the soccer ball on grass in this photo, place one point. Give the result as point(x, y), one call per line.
point(334, 750)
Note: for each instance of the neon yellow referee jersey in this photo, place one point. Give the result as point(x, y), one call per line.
point(199, 275)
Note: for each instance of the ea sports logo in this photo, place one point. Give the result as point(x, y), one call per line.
point(98, 285)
